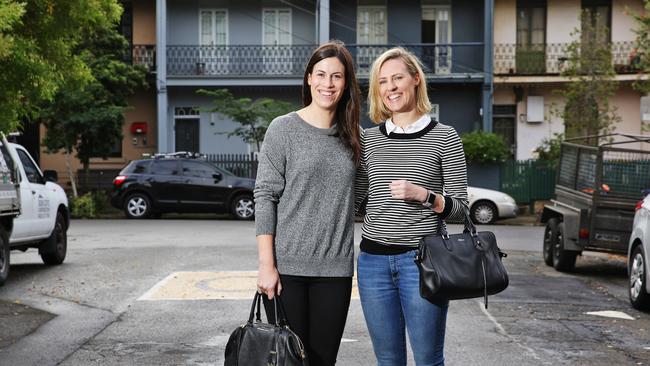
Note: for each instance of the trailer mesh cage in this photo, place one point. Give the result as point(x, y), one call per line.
point(617, 168)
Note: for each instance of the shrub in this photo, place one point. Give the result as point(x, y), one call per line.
point(549, 149)
point(101, 200)
point(83, 207)
point(481, 147)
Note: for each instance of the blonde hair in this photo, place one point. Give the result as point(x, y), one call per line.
point(377, 109)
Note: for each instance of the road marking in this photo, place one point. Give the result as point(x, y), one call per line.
point(348, 340)
point(221, 285)
point(503, 332)
point(611, 314)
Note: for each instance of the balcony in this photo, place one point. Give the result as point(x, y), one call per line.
point(144, 54)
point(551, 58)
point(255, 61)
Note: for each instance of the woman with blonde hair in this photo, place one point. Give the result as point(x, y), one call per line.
point(412, 173)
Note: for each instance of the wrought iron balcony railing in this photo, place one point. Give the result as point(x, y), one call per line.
point(551, 58)
point(144, 54)
point(289, 61)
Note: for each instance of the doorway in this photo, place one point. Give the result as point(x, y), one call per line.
point(187, 135)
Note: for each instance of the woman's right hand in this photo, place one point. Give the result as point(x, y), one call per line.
point(268, 281)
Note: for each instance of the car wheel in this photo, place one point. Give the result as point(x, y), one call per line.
point(137, 206)
point(4, 257)
point(243, 207)
point(563, 260)
point(54, 248)
point(550, 235)
point(484, 212)
point(639, 297)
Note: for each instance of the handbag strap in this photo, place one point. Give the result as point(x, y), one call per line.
point(469, 225)
point(256, 304)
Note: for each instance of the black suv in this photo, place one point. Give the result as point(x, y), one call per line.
point(181, 183)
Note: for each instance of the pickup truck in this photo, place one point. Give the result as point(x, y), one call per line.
point(37, 214)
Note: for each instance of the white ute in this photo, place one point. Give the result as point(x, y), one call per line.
point(44, 218)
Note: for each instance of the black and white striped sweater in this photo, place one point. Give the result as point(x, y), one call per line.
point(432, 158)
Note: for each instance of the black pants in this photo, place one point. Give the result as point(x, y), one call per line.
point(317, 308)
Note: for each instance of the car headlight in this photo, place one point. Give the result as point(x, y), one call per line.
point(508, 199)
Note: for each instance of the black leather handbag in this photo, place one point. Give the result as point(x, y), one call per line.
point(460, 266)
point(263, 344)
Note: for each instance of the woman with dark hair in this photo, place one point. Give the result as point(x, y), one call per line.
point(304, 201)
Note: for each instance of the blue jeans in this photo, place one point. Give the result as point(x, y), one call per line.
point(391, 302)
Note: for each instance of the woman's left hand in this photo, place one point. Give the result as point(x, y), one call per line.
point(405, 190)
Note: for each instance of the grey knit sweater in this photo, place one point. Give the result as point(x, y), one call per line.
point(304, 196)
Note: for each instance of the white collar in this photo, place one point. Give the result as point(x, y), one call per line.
point(414, 127)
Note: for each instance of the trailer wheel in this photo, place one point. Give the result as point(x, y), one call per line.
point(550, 238)
point(563, 260)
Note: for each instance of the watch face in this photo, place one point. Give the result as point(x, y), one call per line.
point(431, 199)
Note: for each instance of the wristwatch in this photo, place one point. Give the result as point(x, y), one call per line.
point(430, 201)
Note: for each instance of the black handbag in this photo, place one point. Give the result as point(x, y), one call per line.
point(460, 266)
point(263, 344)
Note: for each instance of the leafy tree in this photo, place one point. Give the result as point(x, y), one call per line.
point(592, 82)
point(254, 117)
point(89, 119)
point(483, 147)
point(641, 57)
point(37, 43)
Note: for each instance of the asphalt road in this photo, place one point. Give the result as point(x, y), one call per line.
point(169, 292)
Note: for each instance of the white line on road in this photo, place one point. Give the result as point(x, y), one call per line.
point(503, 332)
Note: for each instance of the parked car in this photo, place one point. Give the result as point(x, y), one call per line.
point(487, 205)
point(637, 257)
point(181, 182)
point(43, 206)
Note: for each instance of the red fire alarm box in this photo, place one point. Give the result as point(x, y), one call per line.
point(139, 128)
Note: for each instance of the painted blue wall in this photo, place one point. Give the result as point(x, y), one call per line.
point(244, 21)
point(213, 136)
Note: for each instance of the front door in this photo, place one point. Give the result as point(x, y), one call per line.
point(187, 135)
point(503, 124)
point(34, 219)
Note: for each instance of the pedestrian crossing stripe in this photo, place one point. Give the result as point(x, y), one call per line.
point(221, 285)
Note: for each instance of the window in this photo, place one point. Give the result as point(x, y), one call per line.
point(436, 28)
point(164, 167)
point(214, 27)
point(372, 29)
point(531, 37)
point(33, 175)
point(198, 169)
point(371, 25)
point(277, 55)
point(138, 167)
point(213, 39)
point(600, 12)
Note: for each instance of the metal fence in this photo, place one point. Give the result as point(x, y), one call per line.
point(290, 60)
point(242, 165)
point(527, 181)
point(552, 58)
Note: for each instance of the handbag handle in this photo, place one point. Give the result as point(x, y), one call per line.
point(469, 225)
point(278, 310)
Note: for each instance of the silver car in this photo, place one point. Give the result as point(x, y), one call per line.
point(638, 268)
point(487, 205)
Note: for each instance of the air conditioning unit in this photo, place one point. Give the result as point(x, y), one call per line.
point(535, 109)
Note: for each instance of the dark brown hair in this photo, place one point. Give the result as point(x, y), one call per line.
point(347, 109)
